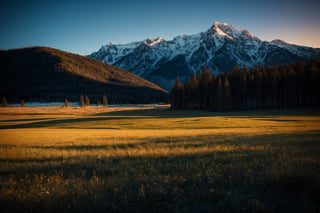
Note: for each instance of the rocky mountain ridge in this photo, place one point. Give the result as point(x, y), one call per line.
point(221, 48)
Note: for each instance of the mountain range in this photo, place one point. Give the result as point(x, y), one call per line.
point(47, 74)
point(220, 48)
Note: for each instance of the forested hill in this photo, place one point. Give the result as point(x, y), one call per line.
point(296, 85)
point(46, 74)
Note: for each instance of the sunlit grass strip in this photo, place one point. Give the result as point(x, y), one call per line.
point(152, 150)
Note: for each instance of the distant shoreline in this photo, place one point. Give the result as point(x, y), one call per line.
point(76, 104)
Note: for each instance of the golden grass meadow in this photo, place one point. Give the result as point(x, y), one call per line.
point(153, 159)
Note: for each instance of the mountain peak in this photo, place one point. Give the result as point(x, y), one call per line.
point(224, 26)
point(217, 30)
point(150, 41)
point(222, 47)
point(228, 29)
point(217, 24)
point(231, 30)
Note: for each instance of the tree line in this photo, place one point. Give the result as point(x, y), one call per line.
point(292, 85)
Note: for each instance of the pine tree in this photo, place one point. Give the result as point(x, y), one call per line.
point(4, 102)
point(235, 80)
point(66, 103)
point(244, 87)
point(213, 92)
point(251, 103)
point(104, 101)
point(227, 99)
point(81, 101)
point(275, 86)
point(219, 96)
point(299, 68)
point(313, 83)
point(177, 96)
point(192, 93)
point(258, 86)
point(204, 91)
point(87, 101)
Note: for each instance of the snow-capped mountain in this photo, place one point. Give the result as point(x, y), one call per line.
point(220, 48)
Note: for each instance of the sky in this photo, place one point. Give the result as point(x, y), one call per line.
point(83, 26)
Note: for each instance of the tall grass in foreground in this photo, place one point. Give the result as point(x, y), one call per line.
point(196, 174)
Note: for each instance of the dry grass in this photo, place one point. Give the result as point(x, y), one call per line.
point(152, 159)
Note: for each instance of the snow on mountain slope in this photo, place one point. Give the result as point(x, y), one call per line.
point(220, 48)
point(305, 52)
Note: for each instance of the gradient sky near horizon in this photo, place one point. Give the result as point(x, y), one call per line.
point(82, 26)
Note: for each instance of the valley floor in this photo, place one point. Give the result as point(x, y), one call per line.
point(155, 159)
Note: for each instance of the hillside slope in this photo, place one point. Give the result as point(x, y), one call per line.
point(47, 74)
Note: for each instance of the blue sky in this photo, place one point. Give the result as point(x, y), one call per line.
point(84, 26)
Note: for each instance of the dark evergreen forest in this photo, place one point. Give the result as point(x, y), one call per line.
point(261, 87)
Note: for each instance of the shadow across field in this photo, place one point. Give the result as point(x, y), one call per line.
point(49, 123)
point(30, 119)
point(161, 113)
point(170, 113)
